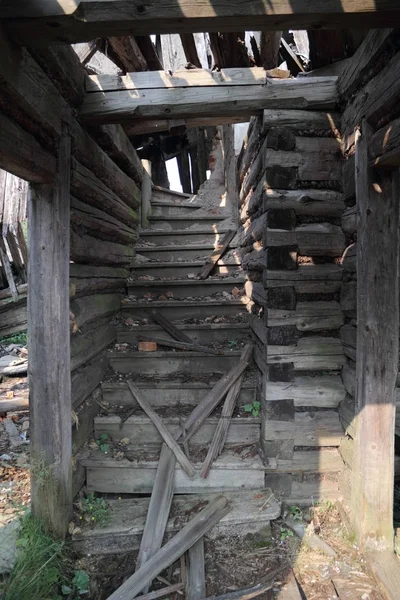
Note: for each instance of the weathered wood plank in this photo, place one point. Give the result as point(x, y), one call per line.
point(84, 346)
point(173, 549)
point(377, 348)
point(55, 20)
point(316, 239)
point(182, 78)
point(100, 224)
point(308, 429)
point(141, 126)
point(167, 437)
point(22, 155)
point(159, 508)
point(86, 378)
point(49, 348)
point(196, 584)
point(384, 147)
point(120, 106)
point(126, 54)
point(304, 202)
point(93, 307)
point(301, 120)
point(315, 161)
point(323, 391)
point(308, 316)
point(221, 432)
point(87, 249)
point(323, 460)
point(216, 255)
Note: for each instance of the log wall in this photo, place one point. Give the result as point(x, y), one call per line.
point(291, 242)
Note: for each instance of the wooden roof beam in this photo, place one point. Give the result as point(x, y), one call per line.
point(201, 93)
point(43, 21)
point(143, 126)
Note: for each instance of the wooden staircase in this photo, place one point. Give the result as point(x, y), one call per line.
point(211, 312)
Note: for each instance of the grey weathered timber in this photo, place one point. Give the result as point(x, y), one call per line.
point(6, 264)
point(324, 391)
point(159, 508)
point(121, 106)
point(100, 224)
point(185, 288)
point(22, 155)
point(308, 316)
point(384, 147)
point(181, 78)
point(141, 126)
point(322, 428)
point(377, 349)
point(173, 549)
point(305, 202)
point(357, 68)
point(84, 346)
point(245, 594)
point(196, 584)
point(232, 197)
point(322, 460)
point(165, 434)
point(316, 239)
point(179, 345)
point(250, 146)
point(200, 333)
point(301, 120)
point(49, 347)
point(59, 20)
point(315, 158)
point(89, 249)
point(125, 52)
point(221, 431)
point(185, 309)
point(169, 327)
point(86, 378)
point(216, 255)
point(145, 209)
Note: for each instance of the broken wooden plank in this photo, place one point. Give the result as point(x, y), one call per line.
point(217, 254)
point(5, 261)
point(50, 21)
point(165, 434)
point(221, 431)
point(159, 508)
point(245, 594)
point(211, 400)
point(166, 591)
point(180, 345)
point(196, 583)
point(290, 590)
point(173, 549)
point(12, 432)
point(169, 327)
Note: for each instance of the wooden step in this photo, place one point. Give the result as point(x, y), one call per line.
point(167, 209)
point(250, 511)
point(171, 392)
point(178, 252)
point(161, 194)
point(173, 222)
point(231, 471)
point(185, 288)
point(202, 333)
point(185, 309)
point(162, 363)
point(141, 431)
point(184, 236)
point(180, 270)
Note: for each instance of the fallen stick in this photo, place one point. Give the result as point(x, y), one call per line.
point(244, 594)
point(168, 554)
point(222, 428)
point(170, 589)
point(159, 509)
point(169, 327)
point(180, 345)
point(216, 255)
point(310, 539)
point(163, 431)
point(211, 400)
point(196, 583)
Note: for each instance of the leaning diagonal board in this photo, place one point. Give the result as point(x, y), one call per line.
point(221, 431)
point(159, 508)
point(168, 554)
point(216, 255)
point(165, 434)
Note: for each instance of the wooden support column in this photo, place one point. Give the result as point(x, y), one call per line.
point(49, 345)
point(377, 348)
point(145, 209)
point(184, 171)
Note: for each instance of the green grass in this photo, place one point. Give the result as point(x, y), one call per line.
point(38, 572)
point(18, 338)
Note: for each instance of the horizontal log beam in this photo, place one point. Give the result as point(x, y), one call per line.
point(142, 126)
point(119, 106)
point(67, 21)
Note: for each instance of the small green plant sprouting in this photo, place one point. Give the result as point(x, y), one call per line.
point(79, 586)
point(40, 469)
point(18, 338)
point(286, 533)
point(232, 343)
point(253, 408)
point(93, 511)
point(296, 513)
point(102, 442)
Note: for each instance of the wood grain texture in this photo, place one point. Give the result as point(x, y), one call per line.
point(173, 549)
point(301, 120)
point(121, 106)
point(49, 347)
point(196, 584)
point(55, 20)
point(377, 349)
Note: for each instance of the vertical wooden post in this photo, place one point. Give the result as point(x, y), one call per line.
point(145, 209)
point(184, 171)
point(377, 348)
point(49, 346)
point(232, 199)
